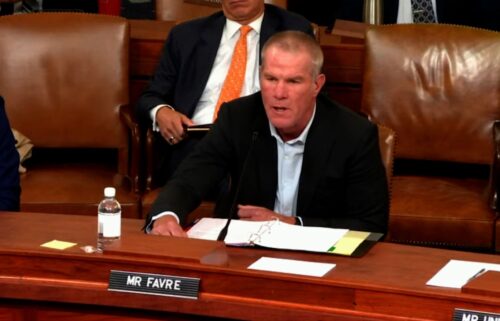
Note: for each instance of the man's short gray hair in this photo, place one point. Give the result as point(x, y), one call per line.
point(296, 41)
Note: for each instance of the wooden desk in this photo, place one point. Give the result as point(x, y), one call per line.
point(388, 283)
point(343, 64)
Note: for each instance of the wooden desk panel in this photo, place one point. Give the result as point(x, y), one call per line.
point(146, 45)
point(386, 284)
point(343, 68)
point(147, 40)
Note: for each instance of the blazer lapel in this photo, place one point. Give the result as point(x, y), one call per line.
point(270, 25)
point(267, 160)
point(320, 139)
point(205, 53)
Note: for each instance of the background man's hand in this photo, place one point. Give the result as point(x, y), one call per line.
point(257, 213)
point(171, 124)
point(167, 225)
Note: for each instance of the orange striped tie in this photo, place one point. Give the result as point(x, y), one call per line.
point(236, 74)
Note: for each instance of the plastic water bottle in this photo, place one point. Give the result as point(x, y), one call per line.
point(109, 216)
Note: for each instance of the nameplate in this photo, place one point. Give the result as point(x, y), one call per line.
point(469, 315)
point(154, 284)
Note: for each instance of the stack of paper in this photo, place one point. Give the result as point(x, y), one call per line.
point(280, 235)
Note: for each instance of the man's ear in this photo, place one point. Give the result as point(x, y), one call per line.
point(319, 82)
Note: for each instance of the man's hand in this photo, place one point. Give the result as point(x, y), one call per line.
point(167, 225)
point(171, 124)
point(257, 213)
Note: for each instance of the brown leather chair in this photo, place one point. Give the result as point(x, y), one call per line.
point(64, 77)
point(182, 10)
point(438, 87)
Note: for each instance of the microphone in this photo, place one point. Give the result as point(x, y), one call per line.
point(223, 232)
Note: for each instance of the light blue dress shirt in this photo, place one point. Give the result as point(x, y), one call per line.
point(290, 156)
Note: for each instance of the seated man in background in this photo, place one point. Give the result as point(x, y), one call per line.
point(186, 87)
point(291, 153)
point(9, 165)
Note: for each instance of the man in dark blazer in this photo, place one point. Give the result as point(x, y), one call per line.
point(9, 165)
point(189, 58)
point(292, 154)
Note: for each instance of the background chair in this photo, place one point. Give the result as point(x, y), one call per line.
point(438, 87)
point(64, 77)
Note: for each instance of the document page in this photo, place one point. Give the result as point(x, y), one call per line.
point(207, 228)
point(296, 237)
point(272, 234)
point(456, 273)
point(241, 233)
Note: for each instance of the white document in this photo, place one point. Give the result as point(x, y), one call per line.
point(207, 228)
point(272, 234)
point(292, 266)
point(456, 273)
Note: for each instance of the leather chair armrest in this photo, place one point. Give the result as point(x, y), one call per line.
point(495, 169)
point(387, 141)
point(128, 118)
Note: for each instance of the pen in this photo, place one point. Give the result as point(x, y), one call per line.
point(478, 273)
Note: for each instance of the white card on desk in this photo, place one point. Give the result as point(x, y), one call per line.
point(292, 266)
point(456, 273)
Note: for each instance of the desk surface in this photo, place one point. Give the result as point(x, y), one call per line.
point(388, 283)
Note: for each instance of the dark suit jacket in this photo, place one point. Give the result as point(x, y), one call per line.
point(477, 13)
point(189, 54)
point(9, 165)
point(342, 183)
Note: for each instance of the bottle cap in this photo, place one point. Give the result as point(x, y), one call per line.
point(109, 192)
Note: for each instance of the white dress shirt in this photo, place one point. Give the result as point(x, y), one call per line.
point(290, 156)
point(204, 111)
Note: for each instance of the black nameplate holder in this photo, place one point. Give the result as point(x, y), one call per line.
point(154, 284)
point(470, 315)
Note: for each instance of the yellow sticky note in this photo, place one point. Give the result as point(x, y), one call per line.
point(349, 242)
point(58, 245)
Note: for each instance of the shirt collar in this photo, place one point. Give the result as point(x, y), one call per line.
point(233, 27)
point(301, 138)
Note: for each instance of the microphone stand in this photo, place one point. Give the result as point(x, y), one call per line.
point(223, 232)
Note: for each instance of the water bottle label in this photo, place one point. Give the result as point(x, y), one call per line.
point(110, 224)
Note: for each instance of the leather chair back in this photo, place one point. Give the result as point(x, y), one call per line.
point(64, 77)
point(429, 81)
point(51, 78)
point(438, 87)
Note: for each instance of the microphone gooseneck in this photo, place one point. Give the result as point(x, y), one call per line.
point(232, 210)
